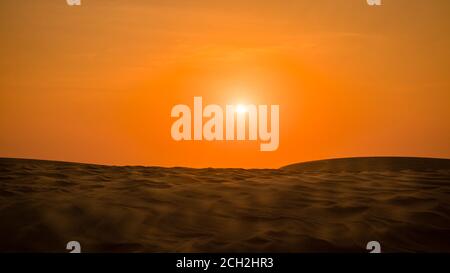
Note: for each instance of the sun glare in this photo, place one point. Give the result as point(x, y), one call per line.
point(240, 108)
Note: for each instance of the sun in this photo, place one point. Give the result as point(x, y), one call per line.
point(240, 108)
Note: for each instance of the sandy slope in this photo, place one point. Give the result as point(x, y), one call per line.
point(335, 205)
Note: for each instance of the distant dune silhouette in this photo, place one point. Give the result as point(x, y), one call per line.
point(361, 164)
point(335, 205)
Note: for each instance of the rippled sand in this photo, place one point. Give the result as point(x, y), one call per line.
point(324, 206)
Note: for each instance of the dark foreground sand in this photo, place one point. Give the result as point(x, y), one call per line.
point(324, 206)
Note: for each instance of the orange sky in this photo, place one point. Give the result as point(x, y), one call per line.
point(96, 83)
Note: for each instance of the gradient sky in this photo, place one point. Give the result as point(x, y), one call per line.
point(96, 83)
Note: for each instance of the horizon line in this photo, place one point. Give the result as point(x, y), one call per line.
point(186, 167)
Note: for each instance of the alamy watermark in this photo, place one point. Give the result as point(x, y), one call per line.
point(374, 2)
point(78, 2)
point(255, 118)
point(73, 2)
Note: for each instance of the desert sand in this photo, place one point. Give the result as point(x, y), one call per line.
point(324, 206)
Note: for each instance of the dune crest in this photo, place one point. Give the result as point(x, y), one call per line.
point(360, 164)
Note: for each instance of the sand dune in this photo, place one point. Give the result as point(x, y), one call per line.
point(322, 206)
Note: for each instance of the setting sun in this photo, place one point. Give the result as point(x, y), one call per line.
point(240, 108)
